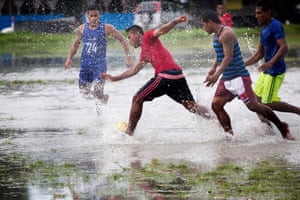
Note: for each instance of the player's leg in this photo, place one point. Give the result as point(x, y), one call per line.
point(152, 89)
point(85, 82)
point(84, 89)
point(252, 104)
point(98, 91)
point(282, 106)
point(180, 92)
point(198, 109)
point(135, 114)
point(267, 113)
point(218, 104)
point(268, 89)
point(221, 97)
point(101, 98)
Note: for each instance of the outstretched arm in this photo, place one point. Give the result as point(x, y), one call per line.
point(74, 47)
point(170, 25)
point(128, 73)
point(109, 29)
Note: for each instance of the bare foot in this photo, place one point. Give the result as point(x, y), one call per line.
point(285, 132)
point(130, 133)
point(207, 115)
point(228, 130)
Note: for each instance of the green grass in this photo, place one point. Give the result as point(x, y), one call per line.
point(272, 178)
point(57, 45)
point(268, 179)
point(32, 45)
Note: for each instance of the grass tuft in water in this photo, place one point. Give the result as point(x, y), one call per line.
point(266, 179)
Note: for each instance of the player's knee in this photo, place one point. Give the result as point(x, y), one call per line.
point(253, 106)
point(218, 104)
point(190, 106)
point(215, 106)
point(137, 99)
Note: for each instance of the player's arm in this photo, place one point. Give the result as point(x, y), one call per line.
point(109, 29)
point(74, 47)
point(211, 72)
point(213, 68)
point(227, 40)
point(128, 73)
point(170, 25)
point(259, 54)
point(283, 49)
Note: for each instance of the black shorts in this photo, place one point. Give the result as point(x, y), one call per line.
point(171, 83)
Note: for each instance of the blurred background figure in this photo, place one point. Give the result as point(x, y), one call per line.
point(224, 16)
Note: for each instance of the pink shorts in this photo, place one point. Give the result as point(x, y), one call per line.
point(240, 87)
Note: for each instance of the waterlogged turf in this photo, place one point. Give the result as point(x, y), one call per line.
point(266, 179)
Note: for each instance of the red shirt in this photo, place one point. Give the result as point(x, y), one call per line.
point(226, 19)
point(155, 53)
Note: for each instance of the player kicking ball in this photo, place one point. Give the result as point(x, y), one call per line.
point(168, 76)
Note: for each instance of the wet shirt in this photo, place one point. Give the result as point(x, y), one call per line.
point(236, 67)
point(154, 52)
point(268, 38)
point(93, 53)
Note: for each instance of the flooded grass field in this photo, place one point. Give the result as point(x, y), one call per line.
point(53, 145)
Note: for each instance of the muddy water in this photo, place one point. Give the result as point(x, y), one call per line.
point(44, 119)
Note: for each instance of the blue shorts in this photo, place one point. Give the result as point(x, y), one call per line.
point(88, 75)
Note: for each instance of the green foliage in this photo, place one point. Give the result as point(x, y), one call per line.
point(53, 45)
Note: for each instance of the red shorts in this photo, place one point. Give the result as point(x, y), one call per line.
point(240, 87)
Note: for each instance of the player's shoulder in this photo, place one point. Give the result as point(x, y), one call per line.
point(82, 25)
point(275, 26)
point(81, 28)
point(275, 21)
point(109, 27)
point(149, 34)
point(227, 33)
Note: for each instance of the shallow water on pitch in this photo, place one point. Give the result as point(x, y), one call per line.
point(43, 117)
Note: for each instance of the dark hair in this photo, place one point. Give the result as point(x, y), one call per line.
point(210, 15)
point(265, 5)
point(135, 29)
point(220, 3)
point(93, 7)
